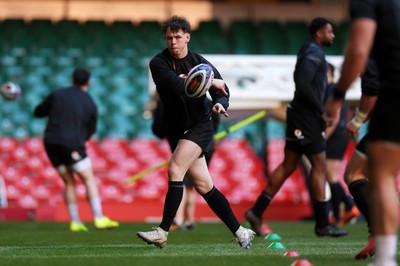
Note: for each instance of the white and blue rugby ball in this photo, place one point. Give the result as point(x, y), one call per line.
point(10, 91)
point(199, 80)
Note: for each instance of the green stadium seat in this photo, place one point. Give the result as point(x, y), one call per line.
point(272, 38)
point(37, 127)
point(13, 26)
point(6, 127)
point(66, 26)
point(92, 26)
point(342, 35)
point(41, 27)
point(242, 37)
point(203, 43)
point(296, 35)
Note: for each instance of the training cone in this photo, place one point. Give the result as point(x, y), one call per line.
point(302, 262)
point(291, 254)
point(272, 237)
point(276, 245)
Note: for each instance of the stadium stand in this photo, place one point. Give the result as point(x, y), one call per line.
point(40, 55)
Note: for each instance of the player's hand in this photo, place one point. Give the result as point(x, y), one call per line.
point(219, 109)
point(353, 126)
point(220, 85)
point(352, 129)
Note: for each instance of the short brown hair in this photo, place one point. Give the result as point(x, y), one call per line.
point(176, 23)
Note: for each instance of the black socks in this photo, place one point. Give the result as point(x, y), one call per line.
point(221, 207)
point(172, 201)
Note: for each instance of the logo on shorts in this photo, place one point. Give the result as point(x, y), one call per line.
point(298, 134)
point(75, 155)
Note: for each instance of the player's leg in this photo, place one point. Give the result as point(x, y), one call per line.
point(184, 155)
point(179, 219)
point(60, 158)
point(320, 205)
point(203, 183)
point(71, 198)
point(84, 170)
point(337, 192)
point(275, 182)
point(383, 168)
point(356, 178)
point(190, 208)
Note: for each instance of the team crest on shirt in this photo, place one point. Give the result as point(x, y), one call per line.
point(299, 134)
point(75, 155)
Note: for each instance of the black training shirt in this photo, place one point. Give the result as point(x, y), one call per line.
point(386, 48)
point(180, 111)
point(72, 117)
point(310, 78)
point(370, 79)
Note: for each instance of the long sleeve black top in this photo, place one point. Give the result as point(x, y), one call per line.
point(180, 111)
point(72, 117)
point(310, 78)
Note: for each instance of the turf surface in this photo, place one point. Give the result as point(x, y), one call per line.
point(51, 244)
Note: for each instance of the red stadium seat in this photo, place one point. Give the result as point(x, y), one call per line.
point(28, 202)
point(34, 163)
point(8, 144)
point(19, 154)
point(13, 192)
point(41, 193)
point(33, 145)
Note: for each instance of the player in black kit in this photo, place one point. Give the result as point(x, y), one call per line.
point(336, 146)
point(189, 130)
point(355, 174)
point(375, 29)
point(72, 118)
point(305, 132)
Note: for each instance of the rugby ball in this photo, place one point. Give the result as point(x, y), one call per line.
point(10, 90)
point(199, 80)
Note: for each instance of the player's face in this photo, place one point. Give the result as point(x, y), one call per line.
point(326, 35)
point(177, 43)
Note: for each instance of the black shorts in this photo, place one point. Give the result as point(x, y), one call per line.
point(305, 132)
point(384, 123)
point(336, 146)
point(201, 134)
point(62, 155)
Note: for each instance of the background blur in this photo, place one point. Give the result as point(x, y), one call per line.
point(42, 41)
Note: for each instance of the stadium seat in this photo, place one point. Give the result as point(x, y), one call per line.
point(242, 36)
point(13, 193)
point(33, 145)
point(296, 35)
point(8, 144)
point(271, 36)
point(206, 45)
point(28, 202)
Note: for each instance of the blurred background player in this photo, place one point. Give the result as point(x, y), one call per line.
point(336, 146)
point(305, 132)
point(72, 118)
point(355, 174)
point(375, 30)
point(189, 130)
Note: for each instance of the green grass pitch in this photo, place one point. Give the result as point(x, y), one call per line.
point(52, 244)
